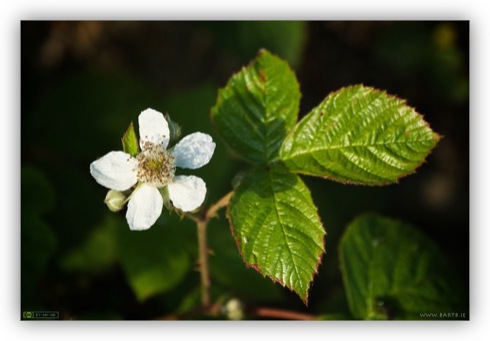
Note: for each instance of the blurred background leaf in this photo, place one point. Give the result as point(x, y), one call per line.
point(38, 241)
point(393, 271)
point(154, 261)
point(97, 251)
point(242, 39)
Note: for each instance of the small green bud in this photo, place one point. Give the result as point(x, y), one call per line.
point(115, 200)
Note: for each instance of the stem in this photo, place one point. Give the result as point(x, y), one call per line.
point(202, 223)
point(223, 202)
point(283, 314)
point(203, 262)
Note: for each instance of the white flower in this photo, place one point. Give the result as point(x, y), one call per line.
point(154, 168)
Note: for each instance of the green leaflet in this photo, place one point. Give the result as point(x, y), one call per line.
point(277, 228)
point(393, 271)
point(130, 141)
point(154, 261)
point(359, 135)
point(356, 135)
point(257, 108)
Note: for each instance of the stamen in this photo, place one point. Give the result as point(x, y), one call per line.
point(156, 165)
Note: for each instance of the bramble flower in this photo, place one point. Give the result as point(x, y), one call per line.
point(154, 169)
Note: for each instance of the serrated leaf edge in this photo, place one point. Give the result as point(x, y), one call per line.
point(437, 138)
point(276, 280)
point(228, 82)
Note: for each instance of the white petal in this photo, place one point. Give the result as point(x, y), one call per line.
point(194, 151)
point(115, 170)
point(187, 192)
point(153, 128)
point(144, 208)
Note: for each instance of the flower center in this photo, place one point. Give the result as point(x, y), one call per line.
point(155, 165)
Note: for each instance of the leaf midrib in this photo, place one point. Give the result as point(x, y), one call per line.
point(282, 228)
point(329, 148)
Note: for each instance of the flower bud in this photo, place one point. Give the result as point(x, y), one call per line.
point(234, 309)
point(115, 200)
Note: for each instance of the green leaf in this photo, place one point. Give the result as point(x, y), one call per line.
point(393, 271)
point(257, 108)
point(333, 317)
point(277, 228)
point(359, 135)
point(130, 141)
point(38, 241)
point(154, 261)
point(97, 252)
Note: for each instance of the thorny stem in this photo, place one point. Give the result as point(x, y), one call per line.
point(202, 222)
point(223, 202)
point(202, 219)
point(203, 263)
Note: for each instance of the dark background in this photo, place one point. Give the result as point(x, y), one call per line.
point(82, 83)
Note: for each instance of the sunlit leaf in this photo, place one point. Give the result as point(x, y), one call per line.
point(277, 228)
point(257, 108)
point(359, 135)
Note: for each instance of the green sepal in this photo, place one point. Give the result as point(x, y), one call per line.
point(166, 198)
point(175, 129)
point(130, 141)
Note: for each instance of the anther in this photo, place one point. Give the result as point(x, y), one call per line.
point(155, 165)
